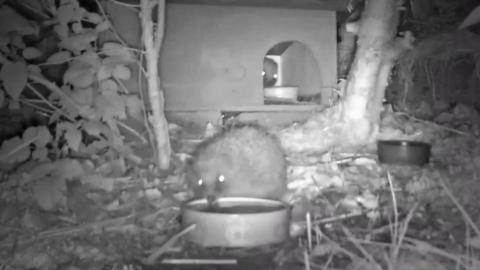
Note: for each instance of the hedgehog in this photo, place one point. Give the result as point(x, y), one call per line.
point(242, 161)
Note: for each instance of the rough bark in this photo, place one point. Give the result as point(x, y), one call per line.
point(152, 41)
point(355, 120)
point(370, 71)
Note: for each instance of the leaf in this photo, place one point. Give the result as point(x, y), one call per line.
point(38, 135)
point(79, 77)
point(117, 60)
point(14, 77)
point(88, 59)
point(39, 171)
point(16, 40)
point(69, 169)
point(43, 136)
point(81, 72)
point(113, 48)
point(117, 51)
point(14, 150)
point(110, 105)
point(73, 137)
point(66, 14)
point(99, 181)
point(104, 72)
point(93, 127)
point(64, 126)
point(59, 57)
point(77, 28)
point(61, 30)
point(30, 135)
point(87, 112)
point(79, 42)
point(50, 193)
point(54, 117)
point(122, 72)
point(31, 53)
point(94, 17)
point(104, 26)
point(134, 106)
point(72, 111)
point(40, 154)
point(32, 5)
point(34, 70)
point(14, 22)
point(2, 99)
point(83, 96)
point(108, 85)
point(97, 146)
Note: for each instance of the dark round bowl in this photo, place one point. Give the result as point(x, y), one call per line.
point(401, 152)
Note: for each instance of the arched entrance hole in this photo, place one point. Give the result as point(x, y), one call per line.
point(291, 64)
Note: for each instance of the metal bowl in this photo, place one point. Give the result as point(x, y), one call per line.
point(281, 93)
point(237, 222)
point(402, 152)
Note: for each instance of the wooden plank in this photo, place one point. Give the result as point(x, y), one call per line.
point(259, 108)
point(294, 4)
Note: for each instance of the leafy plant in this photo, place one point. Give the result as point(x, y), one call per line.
point(86, 103)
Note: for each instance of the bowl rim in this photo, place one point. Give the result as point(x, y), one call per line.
point(282, 206)
point(404, 143)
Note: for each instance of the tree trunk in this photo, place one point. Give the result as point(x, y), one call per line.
point(152, 41)
point(356, 120)
point(370, 70)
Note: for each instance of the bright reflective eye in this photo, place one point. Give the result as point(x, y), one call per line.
point(221, 178)
point(200, 182)
point(263, 73)
point(275, 76)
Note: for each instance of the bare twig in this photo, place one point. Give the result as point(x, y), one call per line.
point(425, 248)
point(132, 131)
point(36, 107)
point(54, 88)
point(100, 8)
point(308, 219)
point(364, 252)
point(53, 107)
point(435, 124)
point(122, 85)
point(50, 85)
point(141, 74)
point(462, 210)
point(201, 261)
point(132, 6)
point(306, 260)
point(62, 232)
point(394, 245)
point(398, 242)
point(23, 145)
point(150, 260)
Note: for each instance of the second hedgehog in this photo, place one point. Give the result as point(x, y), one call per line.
point(240, 162)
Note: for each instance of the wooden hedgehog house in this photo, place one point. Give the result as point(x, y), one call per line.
point(213, 54)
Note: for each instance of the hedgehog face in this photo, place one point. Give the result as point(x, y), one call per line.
point(210, 188)
point(209, 181)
